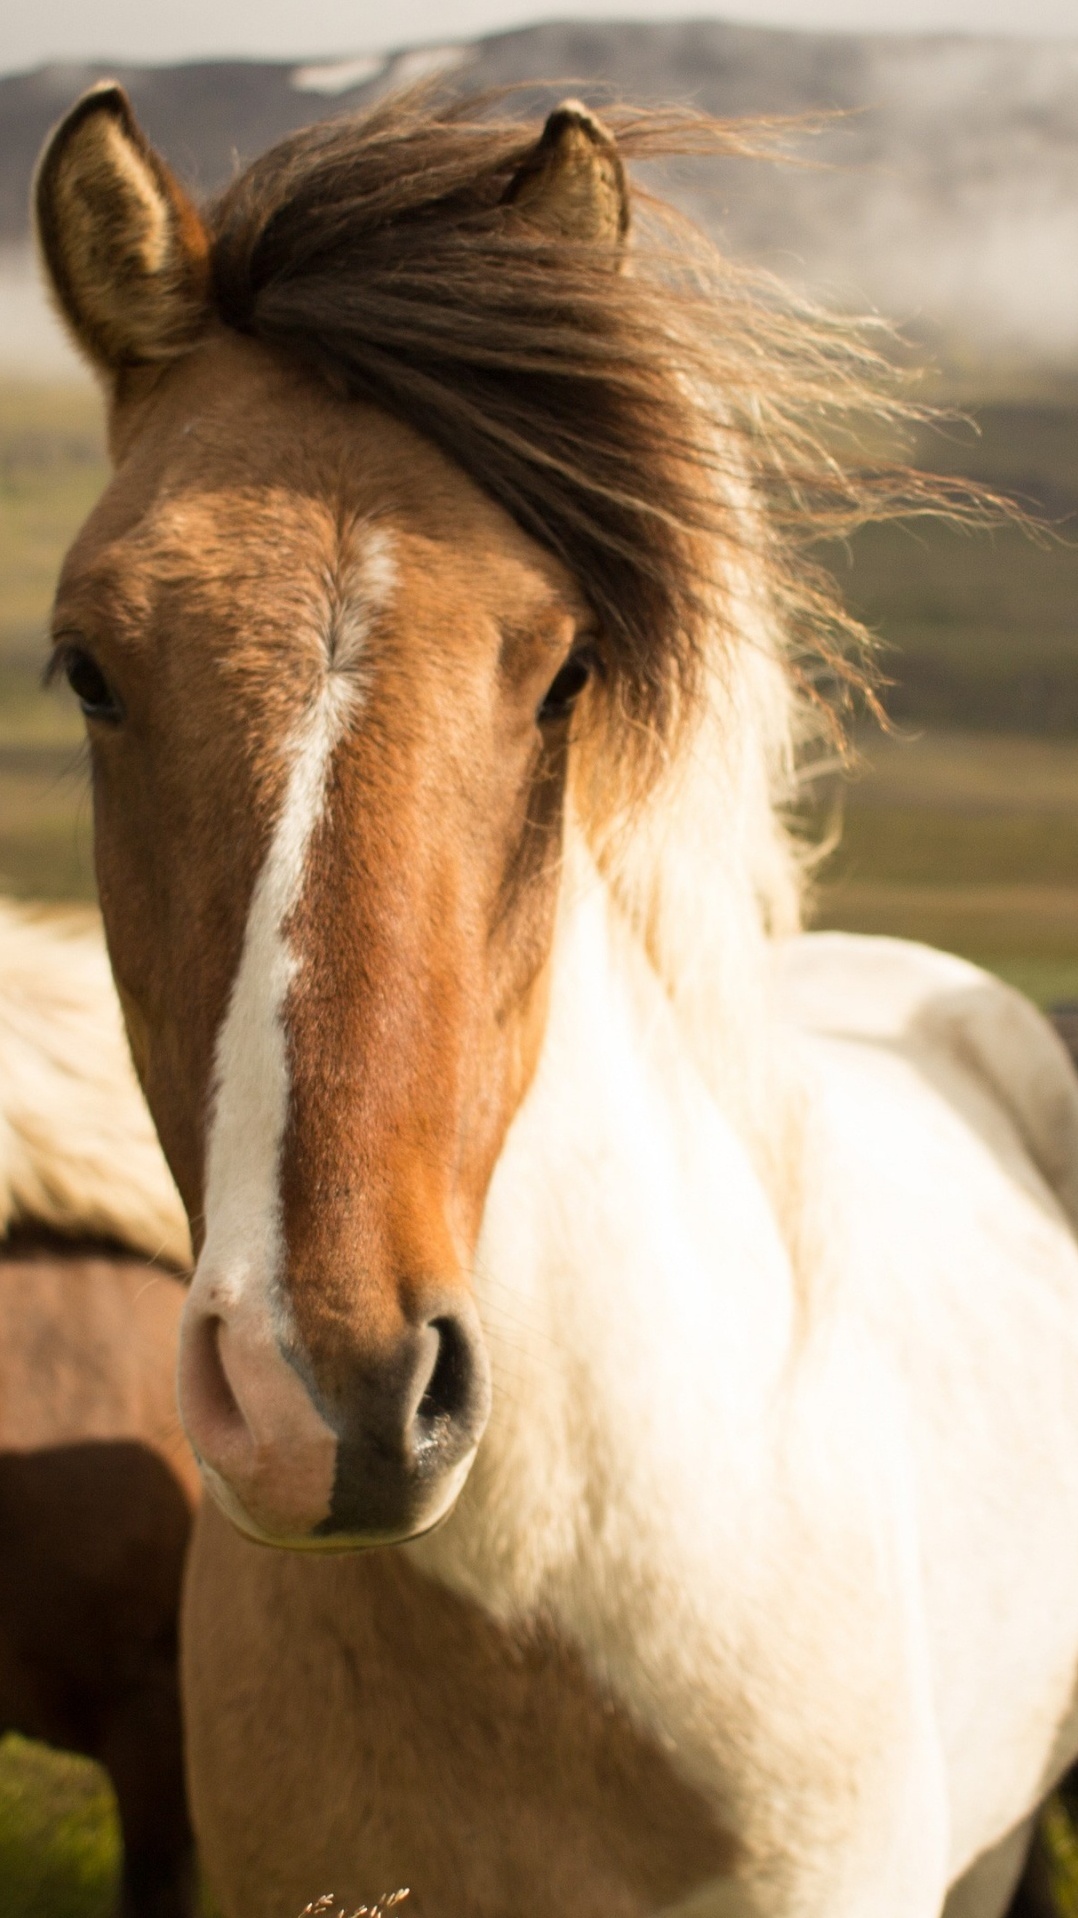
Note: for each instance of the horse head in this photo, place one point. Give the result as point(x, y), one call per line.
point(329, 683)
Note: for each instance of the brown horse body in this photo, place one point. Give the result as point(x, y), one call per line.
point(97, 1490)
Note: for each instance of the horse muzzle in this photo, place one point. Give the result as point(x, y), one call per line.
point(377, 1457)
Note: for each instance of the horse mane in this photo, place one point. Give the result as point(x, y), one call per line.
point(78, 1153)
point(616, 415)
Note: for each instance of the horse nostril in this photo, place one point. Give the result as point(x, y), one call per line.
point(449, 1389)
point(204, 1379)
point(409, 1429)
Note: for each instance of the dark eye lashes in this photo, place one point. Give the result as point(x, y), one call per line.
point(87, 682)
point(566, 686)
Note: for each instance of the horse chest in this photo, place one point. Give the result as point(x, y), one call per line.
point(480, 1767)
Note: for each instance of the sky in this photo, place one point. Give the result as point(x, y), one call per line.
point(131, 30)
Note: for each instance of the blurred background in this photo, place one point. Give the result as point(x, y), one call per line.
point(947, 200)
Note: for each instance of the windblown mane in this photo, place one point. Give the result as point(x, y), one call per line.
point(620, 417)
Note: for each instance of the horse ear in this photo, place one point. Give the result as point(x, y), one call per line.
point(573, 181)
point(125, 251)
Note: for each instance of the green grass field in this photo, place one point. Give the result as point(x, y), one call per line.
point(59, 1836)
point(59, 1845)
point(983, 625)
point(960, 829)
point(963, 840)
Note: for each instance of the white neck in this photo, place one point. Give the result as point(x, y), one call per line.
point(638, 1300)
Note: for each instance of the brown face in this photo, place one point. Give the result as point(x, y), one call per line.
point(328, 687)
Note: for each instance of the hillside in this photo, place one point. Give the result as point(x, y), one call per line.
point(944, 191)
point(948, 196)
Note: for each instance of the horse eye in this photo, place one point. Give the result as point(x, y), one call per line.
point(566, 687)
point(89, 685)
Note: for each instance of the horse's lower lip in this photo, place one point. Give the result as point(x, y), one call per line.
point(329, 1537)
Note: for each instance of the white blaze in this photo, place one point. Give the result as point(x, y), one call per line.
point(242, 1251)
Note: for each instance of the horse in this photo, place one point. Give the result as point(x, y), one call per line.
point(97, 1486)
point(644, 1335)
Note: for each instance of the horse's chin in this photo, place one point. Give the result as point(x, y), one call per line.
point(324, 1540)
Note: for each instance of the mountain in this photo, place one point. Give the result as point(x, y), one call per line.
point(946, 195)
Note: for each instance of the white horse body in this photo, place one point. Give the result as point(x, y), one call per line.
point(817, 1530)
point(800, 1524)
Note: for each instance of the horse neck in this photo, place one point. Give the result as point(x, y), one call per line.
point(634, 1280)
point(707, 875)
